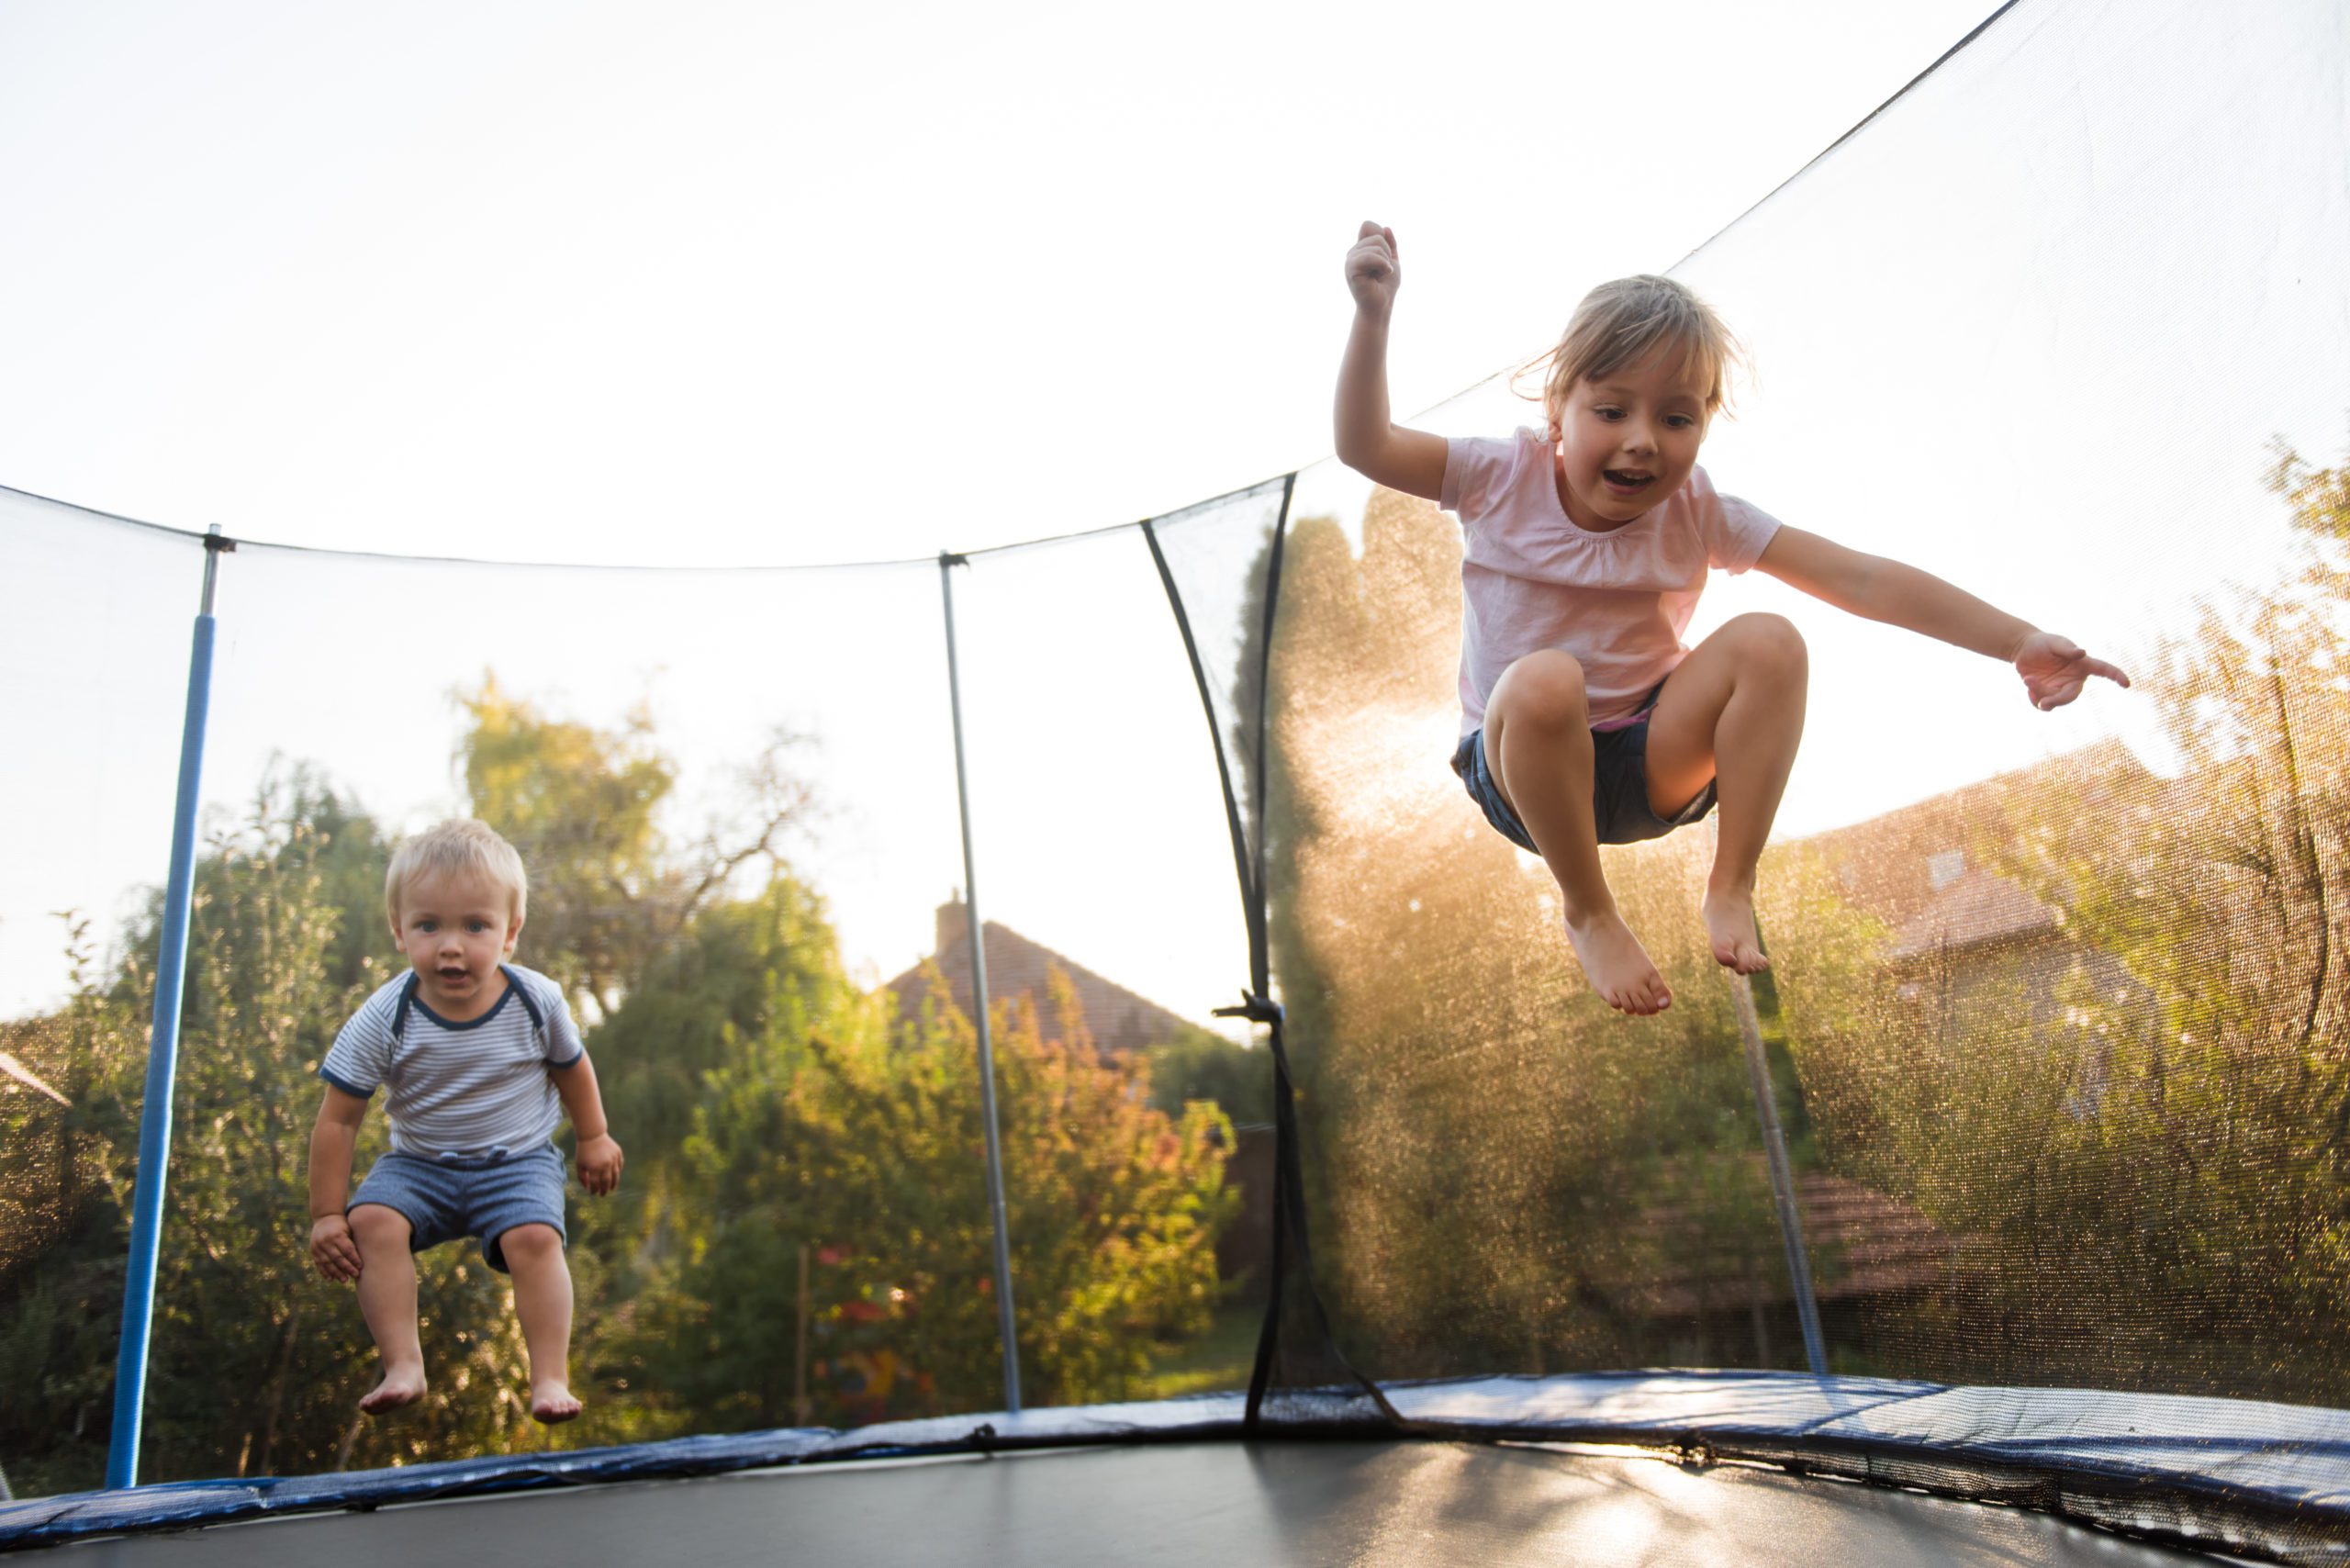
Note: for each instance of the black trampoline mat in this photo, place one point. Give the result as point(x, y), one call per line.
point(1232, 1504)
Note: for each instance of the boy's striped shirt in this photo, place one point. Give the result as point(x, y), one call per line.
point(475, 1090)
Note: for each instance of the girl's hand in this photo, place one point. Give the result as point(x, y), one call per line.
point(2055, 670)
point(1372, 270)
point(599, 1164)
point(332, 1248)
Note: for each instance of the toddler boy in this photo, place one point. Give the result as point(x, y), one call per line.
point(479, 1060)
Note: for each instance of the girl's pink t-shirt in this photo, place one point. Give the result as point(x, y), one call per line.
point(1618, 601)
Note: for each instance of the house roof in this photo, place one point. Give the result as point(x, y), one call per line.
point(1119, 1020)
point(1862, 1244)
point(1916, 868)
point(1978, 907)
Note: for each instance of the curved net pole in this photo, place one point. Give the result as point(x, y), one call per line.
point(1289, 1249)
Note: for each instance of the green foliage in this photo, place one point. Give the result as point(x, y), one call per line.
point(61, 1245)
point(737, 998)
point(839, 1152)
point(580, 805)
point(1199, 1065)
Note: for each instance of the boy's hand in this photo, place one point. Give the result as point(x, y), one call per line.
point(599, 1164)
point(1373, 273)
point(332, 1248)
point(2055, 670)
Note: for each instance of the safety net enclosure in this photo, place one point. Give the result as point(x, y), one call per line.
point(2054, 1040)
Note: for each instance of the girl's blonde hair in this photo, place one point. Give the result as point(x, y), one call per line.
point(459, 845)
point(1620, 323)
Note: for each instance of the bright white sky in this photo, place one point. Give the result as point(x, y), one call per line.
point(734, 282)
point(720, 284)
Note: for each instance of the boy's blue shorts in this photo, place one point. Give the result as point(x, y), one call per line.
point(1619, 788)
point(446, 1200)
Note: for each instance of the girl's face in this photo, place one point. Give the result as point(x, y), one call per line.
point(1629, 439)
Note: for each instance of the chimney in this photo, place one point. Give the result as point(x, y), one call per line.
point(954, 925)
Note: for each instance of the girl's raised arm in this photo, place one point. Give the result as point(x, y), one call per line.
point(1368, 440)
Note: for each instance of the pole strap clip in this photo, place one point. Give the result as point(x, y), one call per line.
point(1256, 1009)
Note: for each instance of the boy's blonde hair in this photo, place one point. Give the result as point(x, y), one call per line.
point(1620, 323)
point(459, 845)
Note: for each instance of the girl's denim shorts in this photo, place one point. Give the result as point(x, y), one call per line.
point(1619, 788)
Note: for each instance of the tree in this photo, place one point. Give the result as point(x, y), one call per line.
point(60, 1188)
point(829, 1146)
point(580, 805)
point(611, 888)
point(1198, 1065)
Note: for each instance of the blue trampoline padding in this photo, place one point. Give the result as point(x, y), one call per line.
point(2288, 1458)
point(2294, 1457)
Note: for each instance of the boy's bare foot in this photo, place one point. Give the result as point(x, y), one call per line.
point(552, 1403)
point(1730, 921)
point(1618, 965)
point(401, 1385)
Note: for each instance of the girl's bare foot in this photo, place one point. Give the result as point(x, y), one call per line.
point(1618, 965)
point(402, 1385)
point(553, 1402)
point(1730, 921)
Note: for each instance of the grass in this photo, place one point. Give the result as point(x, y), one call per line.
point(1218, 1361)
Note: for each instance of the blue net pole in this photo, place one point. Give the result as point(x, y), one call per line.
point(163, 1055)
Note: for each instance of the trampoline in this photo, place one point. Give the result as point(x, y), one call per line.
point(1754, 1467)
point(1245, 1504)
point(2007, 1220)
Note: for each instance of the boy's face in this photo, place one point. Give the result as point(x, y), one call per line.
point(1627, 440)
point(455, 929)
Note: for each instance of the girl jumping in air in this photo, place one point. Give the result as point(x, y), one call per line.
point(1585, 721)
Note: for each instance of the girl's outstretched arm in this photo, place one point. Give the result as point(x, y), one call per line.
point(1368, 440)
point(2053, 668)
